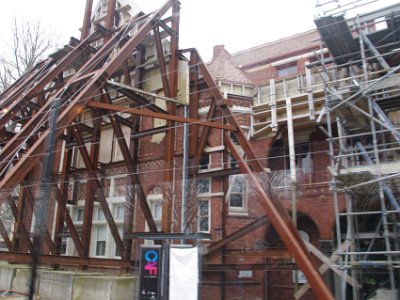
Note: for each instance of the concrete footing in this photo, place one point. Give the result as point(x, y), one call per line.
point(68, 285)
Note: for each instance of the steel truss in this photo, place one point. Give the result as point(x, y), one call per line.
point(119, 63)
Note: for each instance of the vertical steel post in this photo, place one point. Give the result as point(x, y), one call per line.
point(41, 204)
point(86, 20)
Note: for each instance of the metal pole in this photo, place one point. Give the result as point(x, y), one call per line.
point(86, 20)
point(41, 204)
point(292, 163)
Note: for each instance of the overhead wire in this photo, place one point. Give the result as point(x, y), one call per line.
point(141, 106)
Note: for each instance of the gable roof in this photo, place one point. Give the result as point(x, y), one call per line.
point(222, 67)
point(276, 49)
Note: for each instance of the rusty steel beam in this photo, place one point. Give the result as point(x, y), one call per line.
point(151, 114)
point(170, 137)
point(265, 253)
point(138, 82)
point(218, 100)
point(47, 237)
point(161, 62)
point(148, 132)
point(245, 267)
point(110, 16)
point(60, 198)
point(26, 163)
point(20, 229)
point(244, 143)
point(126, 73)
point(101, 198)
point(19, 86)
point(33, 122)
point(205, 134)
point(216, 96)
point(130, 94)
point(236, 235)
point(91, 186)
point(21, 245)
point(144, 205)
point(5, 237)
point(166, 28)
point(25, 208)
point(193, 103)
point(63, 214)
point(87, 19)
point(64, 185)
point(285, 228)
point(25, 258)
point(20, 102)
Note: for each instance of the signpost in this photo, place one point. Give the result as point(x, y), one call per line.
point(150, 272)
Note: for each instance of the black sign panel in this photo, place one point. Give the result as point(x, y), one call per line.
point(150, 272)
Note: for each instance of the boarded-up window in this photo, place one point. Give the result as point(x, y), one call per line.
point(118, 154)
point(106, 145)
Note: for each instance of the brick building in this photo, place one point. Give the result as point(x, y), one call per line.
point(152, 139)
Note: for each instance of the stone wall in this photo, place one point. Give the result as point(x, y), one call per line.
point(68, 285)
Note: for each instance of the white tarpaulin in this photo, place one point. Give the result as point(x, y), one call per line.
point(183, 273)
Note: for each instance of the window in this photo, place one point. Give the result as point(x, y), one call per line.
point(63, 249)
point(233, 137)
point(80, 214)
point(65, 234)
point(204, 161)
point(119, 212)
point(116, 252)
point(155, 202)
point(157, 210)
point(203, 186)
point(232, 162)
point(203, 218)
point(237, 192)
point(303, 158)
point(101, 233)
point(287, 70)
point(99, 214)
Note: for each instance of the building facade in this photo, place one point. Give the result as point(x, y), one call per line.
point(151, 139)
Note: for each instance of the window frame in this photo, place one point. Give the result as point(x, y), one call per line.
point(243, 207)
point(97, 240)
point(201, 216)
point(203, 192)
point(154, 200)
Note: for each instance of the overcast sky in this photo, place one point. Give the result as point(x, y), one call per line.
point(237, 24)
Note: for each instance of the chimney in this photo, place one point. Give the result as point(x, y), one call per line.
point(218, 49)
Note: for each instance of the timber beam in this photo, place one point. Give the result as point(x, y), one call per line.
point(151, 114)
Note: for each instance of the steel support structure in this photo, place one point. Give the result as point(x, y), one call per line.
point(103, 76)
point(362, 138)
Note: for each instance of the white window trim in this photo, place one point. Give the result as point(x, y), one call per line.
point(152, 200)
point(237, 210)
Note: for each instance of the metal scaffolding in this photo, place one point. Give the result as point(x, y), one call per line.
point(103, 75)
point(361, 79)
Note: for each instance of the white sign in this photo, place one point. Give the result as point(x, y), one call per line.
point(183, 273)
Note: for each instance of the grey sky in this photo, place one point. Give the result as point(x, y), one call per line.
point(237, 24)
